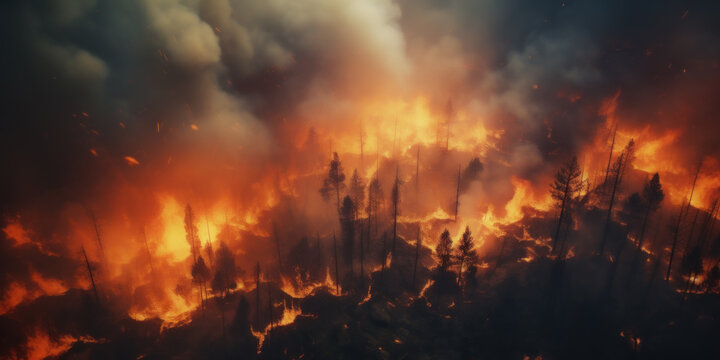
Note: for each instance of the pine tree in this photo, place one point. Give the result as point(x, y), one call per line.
point(200, 276)
point(191, 232)
point(334, 183)
point(618, 170)
point(225, 271)
point(466, 253)
point(347, 223)
point(563, 189)
point(652, 196)
point(471, 173)
point(443, 251)
point(357, 193)
point(375, 199)
point(395, 203)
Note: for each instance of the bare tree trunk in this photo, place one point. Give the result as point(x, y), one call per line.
point(209, 242)
point(277, 245)
point(417, 169)
point(270, 307)
point(337, 271)
point(362, 151)
point(257, 296)
point(457, 196)
point(560, 219)
point(97, 233)
point(677, 227)
point(612, 148)
point(608, 220)
point(384, 254)
point(92, 279)
point(641, 238)
point(417, 256)
point(337, 195)
point(147, 248)
point(362, 258)
point(674, 243)
point(396, 199)
point(460, 271)
point(688, 243)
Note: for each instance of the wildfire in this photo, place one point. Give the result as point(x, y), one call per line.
point(426, 287)
point(41, 346)
point(300, 289)
point(289, 316)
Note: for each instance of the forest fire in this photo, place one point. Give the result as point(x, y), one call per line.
point(378, 179)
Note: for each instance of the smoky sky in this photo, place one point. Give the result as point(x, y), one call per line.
point(131, 78)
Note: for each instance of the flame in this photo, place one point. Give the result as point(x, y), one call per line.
point(40, 286)
point(426, 287)
point(41, 346)
point(408, 122)
point(289, 316)
point(300, 289)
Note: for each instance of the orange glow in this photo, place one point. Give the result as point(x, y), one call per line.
point(303, 289)
point(289, 316)
point(131, 161)
point(15, 231)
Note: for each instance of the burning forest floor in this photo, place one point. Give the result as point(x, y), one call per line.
point(519, 302)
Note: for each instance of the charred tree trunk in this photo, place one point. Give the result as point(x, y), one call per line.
point(674, 244)
point(417, 169)
point(362, 258)
point(641, 238)
point(417, 257)
point(92, 279)
point(612, 148)
point(97, 234)
point(337, 270)
point(270, 307)
point(277, 246)
point(149, 254)
point(689, 242)
point(257, 296)
point(396, 199)
point(362, 151)
point(608, 219)
point(563, 205)
point(457, 195)
point(559, 224)
point(677, 226)
point(209, 242)
point(384, 254)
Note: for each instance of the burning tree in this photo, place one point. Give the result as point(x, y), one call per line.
point(225, 271)
point(443, 251)
point(347, 223)
point(471, 173)
point(357, 193)
point(652, 196)
point(466, 253)
point(191, 231)
point(395, 203)
point(618, 170)
point(375, 198)
point(563, 189)
point(334, 183)
point(201, 275)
